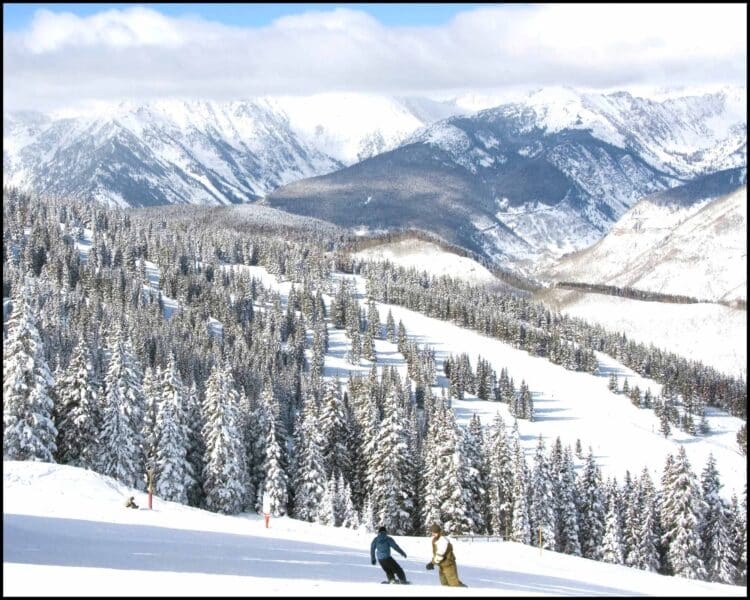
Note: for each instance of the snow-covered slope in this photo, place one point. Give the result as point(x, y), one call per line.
point(591, 413)
point(66, 532)
point(569, 404)
point(576, 405)
point(203, 152)
point(426, 256)
point(711, 333)
point(696, 249)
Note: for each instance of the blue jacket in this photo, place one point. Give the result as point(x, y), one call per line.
point(382, 545)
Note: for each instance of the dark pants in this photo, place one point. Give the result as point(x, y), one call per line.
point(391, 568)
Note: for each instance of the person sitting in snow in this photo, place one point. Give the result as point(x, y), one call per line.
point(443, 557)
point(131, 503)
point(381, 546)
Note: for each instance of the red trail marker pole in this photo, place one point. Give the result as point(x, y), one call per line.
point(266, 508)
point(150, 488)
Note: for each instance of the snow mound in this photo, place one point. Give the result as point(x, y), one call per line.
point(429, 257)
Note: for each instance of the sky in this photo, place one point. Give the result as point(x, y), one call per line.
point(19, 16)
point(58, 55)
point(66, 532)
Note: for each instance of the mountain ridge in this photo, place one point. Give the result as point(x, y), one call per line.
point(685, 241)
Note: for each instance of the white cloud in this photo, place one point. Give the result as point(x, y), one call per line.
point(138, 53)
point(136, 26)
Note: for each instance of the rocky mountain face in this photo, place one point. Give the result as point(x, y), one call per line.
point(529, 181)
point(179, 152)
point(690, 240)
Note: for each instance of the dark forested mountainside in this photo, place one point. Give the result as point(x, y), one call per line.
point(138, 340)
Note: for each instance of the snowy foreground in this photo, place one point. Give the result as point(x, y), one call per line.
point(66, 532)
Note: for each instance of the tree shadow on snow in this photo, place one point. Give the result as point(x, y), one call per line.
point(79, 543)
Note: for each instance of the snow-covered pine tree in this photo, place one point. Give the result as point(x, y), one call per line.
point(542, 509)
point(368, 346)
point(739, 537)
point(152, 398)
point(173, 471)
point(355, 353)
point(591, 509)
point(388, 467)
point(500, 482)
point(347, 512)
point(567, 511)
point(28, 429)
point(122, 455)
point(361, 438)
point(476, 474)
point(401, 338)
point(327, 510)
point(645, 555)
point(225, 471)
point(332, 423)
point(319, 346)
point(79, 410)
point(664, 427)
point(309, 476)
point(681, 519)
point(275, 484)
point(429, 493)
point(520, 524)
point(390, 328)
point(373, 320)
point(367, 518)
point(529, 405)
point(195, 444)
point(612, 543)
point(456, 510)
point(716, 525)
point(256, 437)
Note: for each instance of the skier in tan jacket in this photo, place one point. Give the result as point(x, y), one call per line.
point(443, 557)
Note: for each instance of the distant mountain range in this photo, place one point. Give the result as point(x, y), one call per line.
point(532, 179)
point(518, 183)
point(180, 152)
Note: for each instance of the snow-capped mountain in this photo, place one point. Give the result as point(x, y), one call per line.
point(203, 152)
point(682, 135)
point(545, 176)
point(353, 127)
point(689, 241)
point(525, 180)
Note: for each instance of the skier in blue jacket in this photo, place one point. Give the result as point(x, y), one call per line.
point(381, 547)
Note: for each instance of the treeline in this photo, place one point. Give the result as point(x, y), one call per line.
point(564, 340)
point(352, 244)
point(626, 292)
point(487, 385)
